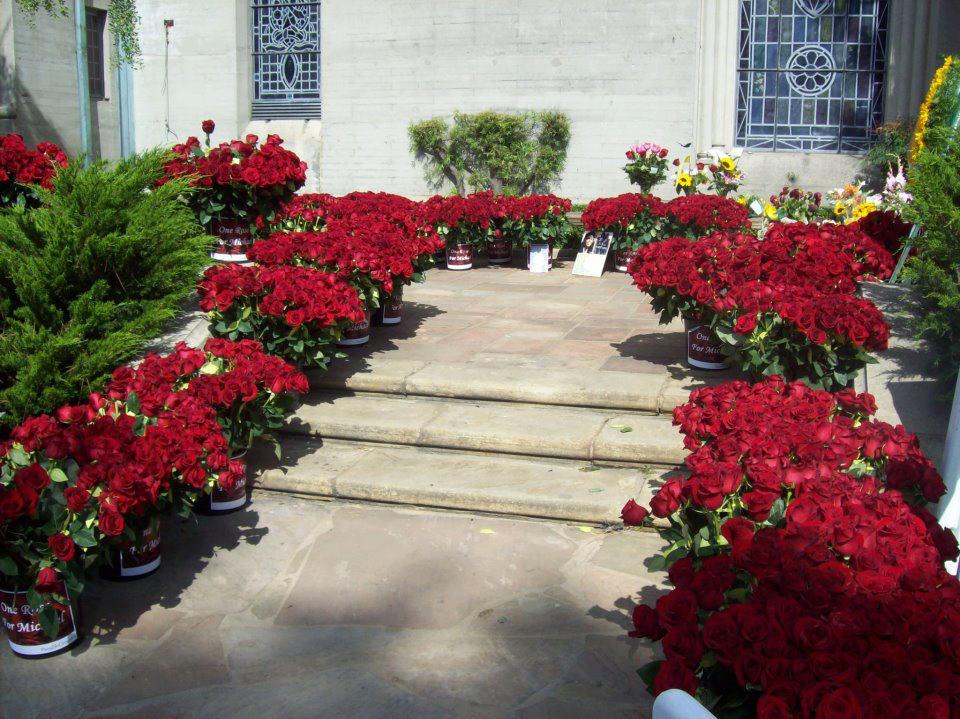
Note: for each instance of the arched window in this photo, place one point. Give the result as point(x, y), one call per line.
point(811, 74)
point(286, 59)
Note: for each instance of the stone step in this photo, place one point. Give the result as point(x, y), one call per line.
point(539, 430)
point(632, 391)
point(522, 486)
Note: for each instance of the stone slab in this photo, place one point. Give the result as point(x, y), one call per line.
point(572, 491)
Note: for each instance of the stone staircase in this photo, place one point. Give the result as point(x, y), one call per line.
point(518, 442)
point(502, 391)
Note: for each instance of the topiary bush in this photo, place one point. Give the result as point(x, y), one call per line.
point(515, 154)
point(89, 277)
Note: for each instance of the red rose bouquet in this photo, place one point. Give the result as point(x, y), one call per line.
point(249, 389)
point(532, 219)
point(293, 312)
point(694, 216)
point(240, 184)
point(303, 213)
point(808, 576)
point(886, 227)
point(781, 306)
point(634, 219)
point(646, 165)
point(460, 220)
point(21, 169)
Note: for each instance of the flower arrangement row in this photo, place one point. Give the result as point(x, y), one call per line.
point(783, 305)
point(808, 576)
point(22, 168)
point(239, 185)
point(638, 219)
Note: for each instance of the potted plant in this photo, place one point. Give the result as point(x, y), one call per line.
point(23, 170)
point(694, 216)
point(463, 223)
point(240, 184)
point(250, 391)
point(646, 165)
point(294, 312)
point(634, 219)
point(536, 223)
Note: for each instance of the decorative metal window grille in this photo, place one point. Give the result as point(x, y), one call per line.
point(286, 59)
point(96, 26)
point(811, 74)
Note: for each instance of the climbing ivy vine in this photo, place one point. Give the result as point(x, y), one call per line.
point(121, 15)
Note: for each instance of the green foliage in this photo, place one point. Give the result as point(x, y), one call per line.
point(122, 17)
point(89, 277)
point(890, 150)
point(516, 154)
point(935, 270)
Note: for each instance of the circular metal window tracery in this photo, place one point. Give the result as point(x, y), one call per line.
point(811, 70)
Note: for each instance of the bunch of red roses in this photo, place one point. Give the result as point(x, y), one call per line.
point(635, 219)
point(246, 386)
point(805, 567)
point(886, 227)
point(530, 219)
point(242, 179)
point(783, 305)
point(693, 216)
point(294, 312)
point(71, 484)
point(459, 219)
point(21, 167)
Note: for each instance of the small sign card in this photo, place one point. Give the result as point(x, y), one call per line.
point(592, 257)
point(539, 257)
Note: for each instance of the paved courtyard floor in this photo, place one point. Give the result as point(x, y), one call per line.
point(304, 609)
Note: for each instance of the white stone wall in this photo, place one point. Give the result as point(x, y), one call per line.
point(38, 66)
point(622, 70)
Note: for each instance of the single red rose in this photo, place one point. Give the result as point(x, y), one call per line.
point(674, 675)
point(110, 522)
point(63, 547)
point(645, 623)
point(770, 707)
point(633, 514)
point(208, 126)
point(47, 581)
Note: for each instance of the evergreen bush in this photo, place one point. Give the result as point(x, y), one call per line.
point(935, 270)
point(89, 277)
point(515, 154)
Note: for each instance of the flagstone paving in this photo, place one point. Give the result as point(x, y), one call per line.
point(304, 609)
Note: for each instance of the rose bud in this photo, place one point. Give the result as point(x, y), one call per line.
point(663, 152)
point(633, 514)
point(676, 162)
point(208, 126)
point(47, 581)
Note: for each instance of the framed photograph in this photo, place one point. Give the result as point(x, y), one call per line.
point(592, 257)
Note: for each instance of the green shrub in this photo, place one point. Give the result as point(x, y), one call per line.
point(891, 150)
point(89, 277)
point(514, 154)
point(935, 184)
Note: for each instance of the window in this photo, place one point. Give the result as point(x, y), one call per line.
point(811, 74)
point(286, 59)
point(96, 25)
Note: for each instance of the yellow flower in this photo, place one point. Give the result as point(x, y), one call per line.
point(839, 209)
point(863, 210)
point(923, 118)
point(742, 200)
point(684, 180)
point(727, 164)
point(770, 211)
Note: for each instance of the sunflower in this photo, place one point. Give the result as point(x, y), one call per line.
point(770, 211)
point(863, 209)
point(727, 164)
point(684, 180)
point(839, 209)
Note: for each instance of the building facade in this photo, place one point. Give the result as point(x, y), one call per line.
point(799, 85)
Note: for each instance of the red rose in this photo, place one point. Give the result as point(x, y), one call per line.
point(110, 522)
point(738, 532)
point(48, 581)
point(839, 704)
point(645, 623)
point(63, 547)
point(667, 499)
point(770, 707)
point(674, 675)
point(35, 477)
point(633, 514)
point(677, 608)
point(76, 498)
point(208, 126)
